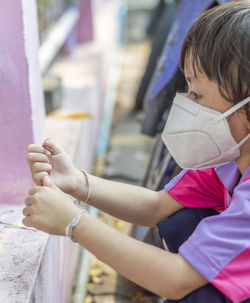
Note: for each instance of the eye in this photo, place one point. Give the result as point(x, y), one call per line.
point(194, 96)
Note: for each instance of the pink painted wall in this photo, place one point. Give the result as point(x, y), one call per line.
point(33, 263)
point(19, 92)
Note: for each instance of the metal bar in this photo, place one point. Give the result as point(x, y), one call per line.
point(57, 37)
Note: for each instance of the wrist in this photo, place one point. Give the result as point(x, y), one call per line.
point(73, 224)
point(67, 216)
point(80, 227)
point(82, 186)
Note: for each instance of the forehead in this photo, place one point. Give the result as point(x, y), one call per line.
point(198, 81)
point(191, 68)
point(192, 75)
point(193, 71)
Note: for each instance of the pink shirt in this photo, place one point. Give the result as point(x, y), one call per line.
point(219, 248)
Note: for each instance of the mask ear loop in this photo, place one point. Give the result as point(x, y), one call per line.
point(244, 140)
point(233, 109)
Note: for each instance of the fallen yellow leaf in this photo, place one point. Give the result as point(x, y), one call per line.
point(88, 299)
point(70, 115)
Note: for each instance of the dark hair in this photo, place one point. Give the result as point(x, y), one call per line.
point(219, 46)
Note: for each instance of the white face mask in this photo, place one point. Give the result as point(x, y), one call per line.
point(199, 137)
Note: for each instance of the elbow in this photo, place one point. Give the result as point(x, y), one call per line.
point(184, 280)
point(179, 289)
point(176, 294)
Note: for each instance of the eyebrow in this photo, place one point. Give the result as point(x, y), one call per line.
point(189, 77)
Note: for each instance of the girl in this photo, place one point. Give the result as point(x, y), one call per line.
point(207, 133)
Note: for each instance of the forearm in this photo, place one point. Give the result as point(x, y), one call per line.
point(159, 271)
point(131, 203)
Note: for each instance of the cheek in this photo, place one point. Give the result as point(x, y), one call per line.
point(246, 146)
point(212, 101)
point(248, 121)
point(238, 127)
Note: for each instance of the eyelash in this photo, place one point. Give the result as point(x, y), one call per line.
point(196, 96)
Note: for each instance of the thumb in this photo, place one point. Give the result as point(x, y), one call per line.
point(52, 147)
point(46, 181)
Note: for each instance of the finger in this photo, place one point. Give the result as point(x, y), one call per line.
point(52, 147)
point(36, 157)
point(34, 190)
point(38, 178)
point(47, 181)
point(28, 200)
point(35, 148)
point(38, 167)
point(48, 152)
point(27, 221)
point(27, 211)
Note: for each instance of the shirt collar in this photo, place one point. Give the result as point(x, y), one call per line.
point(230, 175)
point(246, 174)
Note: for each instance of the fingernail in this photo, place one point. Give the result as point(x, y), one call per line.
point(46, 180)
point(47, 140)
point(48, 149)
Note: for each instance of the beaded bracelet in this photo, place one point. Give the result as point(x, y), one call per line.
point(72, 224)
point(84, 204)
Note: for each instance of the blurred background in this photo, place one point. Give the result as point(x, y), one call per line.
point(138, 43)
point(109, 71)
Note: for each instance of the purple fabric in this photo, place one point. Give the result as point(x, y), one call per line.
point(175, 180)
point(186, 15)
point(220, 239)
point(223, 1)
point(229, 174)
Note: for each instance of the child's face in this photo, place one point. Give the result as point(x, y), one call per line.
point(206, 92)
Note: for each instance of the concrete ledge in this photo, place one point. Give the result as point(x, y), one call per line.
point(21, 250)
point(37, 267)
point(32, 260)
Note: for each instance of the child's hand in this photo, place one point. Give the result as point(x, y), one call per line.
point(56, 164)
point(48, 209)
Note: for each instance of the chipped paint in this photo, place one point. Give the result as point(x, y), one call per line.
point(20, 251)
